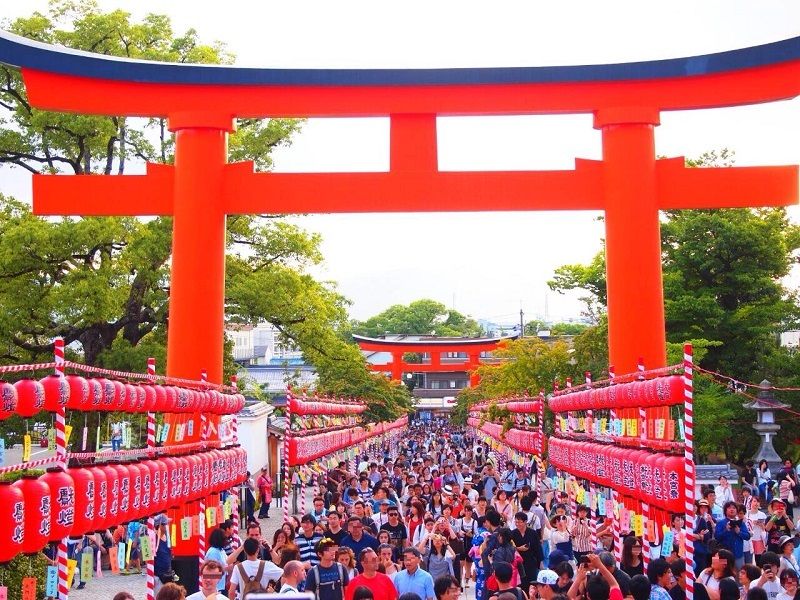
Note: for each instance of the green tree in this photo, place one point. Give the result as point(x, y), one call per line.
point(103, 283)
point(421, 317)
point(723, 288)
point(527, 365)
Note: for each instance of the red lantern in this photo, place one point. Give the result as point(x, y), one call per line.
point(95, 400)
point(161, 398)
point(37, 516)
point(113, 514)
point(62, 502)
point(173, 486)
point(150, 398)
point(109, 394)
point(143, 492)
point(183, 400)
point(8, 399)
point(120, 396)
point(56, 392)
point(30, 397)
point(125, 488)
point(131, 398)
point(12, 520)
point(100, 498)
point(171, 404)
point(78, 393)
point(85, 496)
point(675, 485)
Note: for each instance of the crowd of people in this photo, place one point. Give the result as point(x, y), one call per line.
point(438, 513)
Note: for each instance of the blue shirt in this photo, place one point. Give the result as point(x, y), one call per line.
point(659, 593)
point(366, 541)
point(731, 540)
point(421, 583)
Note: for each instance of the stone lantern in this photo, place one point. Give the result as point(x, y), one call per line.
point(765, 406)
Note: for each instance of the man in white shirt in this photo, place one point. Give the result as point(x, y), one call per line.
point(293, 575)
point(250, 568)
point(210, 574)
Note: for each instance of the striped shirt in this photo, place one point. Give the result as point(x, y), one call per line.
point(308, 548)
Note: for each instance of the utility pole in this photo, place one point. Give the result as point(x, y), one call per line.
point(521, 325)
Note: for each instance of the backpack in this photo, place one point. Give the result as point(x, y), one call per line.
point(251, 584)
point(315, 570)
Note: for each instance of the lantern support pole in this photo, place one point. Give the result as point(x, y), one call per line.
point(614, 494)
point(151, 444)
point(234, 496)
point(541, 447)
point(61, 461)
point(689, 470)
point(201, 538)
point(287, 484)
point(645, 504)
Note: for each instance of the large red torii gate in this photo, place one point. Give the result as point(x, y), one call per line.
point(201, 103)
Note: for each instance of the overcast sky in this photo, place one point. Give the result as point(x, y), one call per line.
point(488, 265)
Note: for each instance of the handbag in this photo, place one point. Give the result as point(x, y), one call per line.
point(790, 497)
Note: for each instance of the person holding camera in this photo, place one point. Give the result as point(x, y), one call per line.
point(731, 533)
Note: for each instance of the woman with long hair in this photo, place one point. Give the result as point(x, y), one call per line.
point(414, 518)
point(560, 537)
point(439, 559)
point(722, 567)
point(503, 505)
point(347, 558)
point(632, 562)
point(435, 506)
point(279, 541)
point(216, 551)
point(764, 478)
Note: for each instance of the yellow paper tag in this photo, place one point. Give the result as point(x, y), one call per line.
point(87, 565)
point(173, 535)
point(147, 549)
point(186, 528)
point(661, 428)
point(211, 516)
point(71, 565)
point(638, 525)
point(26, 448)
point(67, 433)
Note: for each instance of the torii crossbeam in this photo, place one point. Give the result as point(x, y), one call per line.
point(201, 103)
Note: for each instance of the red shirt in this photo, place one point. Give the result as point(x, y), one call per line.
point(380, 586)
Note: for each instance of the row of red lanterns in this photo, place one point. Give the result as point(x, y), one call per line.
point(26, 397)
point(311, 447)
point(36, 510)
point(519, 439)
point(314, 407)
point(657, 479)
point(659, 391)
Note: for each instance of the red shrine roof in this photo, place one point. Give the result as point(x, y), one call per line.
point(432, 342)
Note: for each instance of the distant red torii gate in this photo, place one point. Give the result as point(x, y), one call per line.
point(397, 348)
point(201, 103)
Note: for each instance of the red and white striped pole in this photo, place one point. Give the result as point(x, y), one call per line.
point(302, 482)
point(235, 496)
point(589, 430)
point(688, 458)
point(151, 444)
point(201, 538)
point(541, 448)
point(235, 419)
point(287, 482)
point(61, 462)
point(615, 517)
point(645, 504)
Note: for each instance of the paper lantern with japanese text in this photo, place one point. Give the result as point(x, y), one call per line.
point(37, 513)
point(12, 520)
point(109, 394)
point(78, 393)
point(56, 392)
point(113, 515)
point(674, 484)
point(62, 502)
point(125, 488)
point(30, 397)
point(136, 474)
point(85, 498)
point(8, 399)
point(100, 498)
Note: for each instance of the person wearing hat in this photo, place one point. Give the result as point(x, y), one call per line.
point(778, 525)
point(469, 491)
point(703, 532)
point(788, 561)
point(545, 585)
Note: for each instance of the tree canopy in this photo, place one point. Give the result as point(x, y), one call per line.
point(421, 317)
point(723, 276)
point(103, 283)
